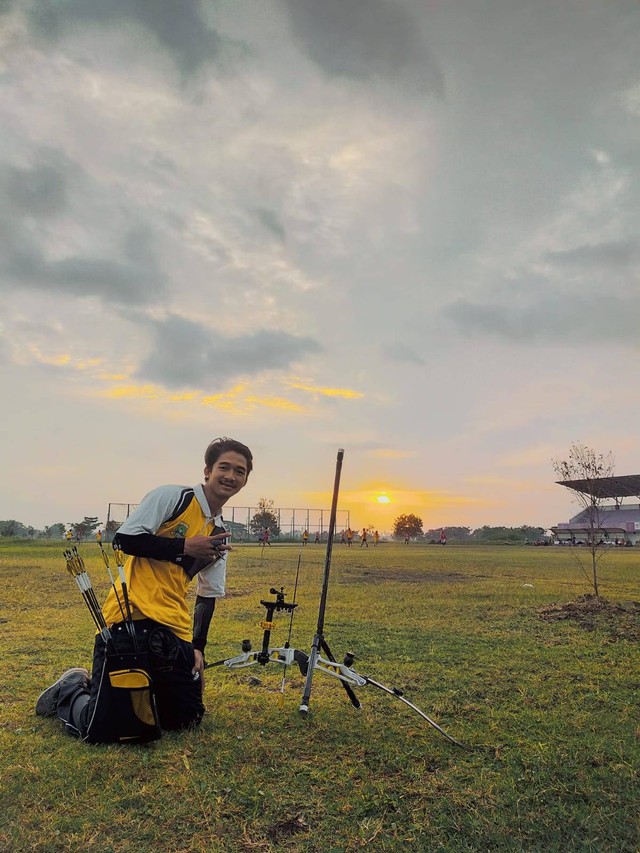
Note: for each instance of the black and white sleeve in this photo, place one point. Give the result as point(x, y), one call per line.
point(137, 536)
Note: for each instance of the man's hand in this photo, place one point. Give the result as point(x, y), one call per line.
point(198, 667)
point(207, 547)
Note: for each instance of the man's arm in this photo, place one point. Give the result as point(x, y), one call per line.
point(149, 545)
point(137, 536)
point(192, 555)
point(202, 615)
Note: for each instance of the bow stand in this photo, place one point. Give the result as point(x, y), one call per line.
point(308, 664)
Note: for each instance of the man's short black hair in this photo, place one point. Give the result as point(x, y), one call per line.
point(223, 445)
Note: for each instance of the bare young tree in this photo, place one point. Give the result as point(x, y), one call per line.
point(581, 472)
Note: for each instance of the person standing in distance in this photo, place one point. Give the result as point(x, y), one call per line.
point(174, 535)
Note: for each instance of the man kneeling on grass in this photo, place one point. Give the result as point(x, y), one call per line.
point(149, 676)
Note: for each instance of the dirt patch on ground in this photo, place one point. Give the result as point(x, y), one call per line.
point(279, 832)
point(403, 576)
point(620, 621)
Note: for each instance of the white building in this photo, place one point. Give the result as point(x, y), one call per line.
point(607, 523)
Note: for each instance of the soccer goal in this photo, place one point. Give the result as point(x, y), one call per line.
point(117, 514)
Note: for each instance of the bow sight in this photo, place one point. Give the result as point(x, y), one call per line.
point(276, 606)
point(308, 664)
point(279, 603)
point(284, 654)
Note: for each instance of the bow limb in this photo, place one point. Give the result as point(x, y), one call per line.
point(395, 692)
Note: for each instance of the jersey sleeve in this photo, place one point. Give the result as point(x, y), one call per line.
point(155, 508)
point(137, 535)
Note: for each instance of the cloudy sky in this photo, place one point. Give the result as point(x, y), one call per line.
point(409, 228)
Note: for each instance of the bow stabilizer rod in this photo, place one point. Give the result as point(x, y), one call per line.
point(318, 640)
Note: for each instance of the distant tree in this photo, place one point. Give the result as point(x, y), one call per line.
point(265, 517)
point(14, 528)
point(454, 534)
point(585, 464)
point(54, 531)
point(83, 529)
point(238, 531)
point(407, 525)
point(507, 535)
point(532, 534)
point(491, 534)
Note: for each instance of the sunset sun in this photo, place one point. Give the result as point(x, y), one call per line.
point(383, 499)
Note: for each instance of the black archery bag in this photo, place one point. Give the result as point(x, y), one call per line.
point(125, 707)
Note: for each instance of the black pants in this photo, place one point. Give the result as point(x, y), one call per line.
point(170, 661)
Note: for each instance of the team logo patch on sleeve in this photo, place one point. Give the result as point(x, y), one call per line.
point(180, 530)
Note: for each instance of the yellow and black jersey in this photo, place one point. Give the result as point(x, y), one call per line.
point(158, 585)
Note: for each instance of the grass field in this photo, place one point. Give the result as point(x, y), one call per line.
point(548, 709)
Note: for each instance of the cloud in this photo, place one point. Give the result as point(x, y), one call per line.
point(186, 354)
point(147, 392)
point(536, 456)
point(399, 351)
point(346, 393)
point(271, 222)
point(630, 99)
point(503, 483)
point(562, 318)
point(364, 39)
point(391, 453)
point(42, 231)
point(423, 498)
point(179, 28)
point(584, 295)
point(237, 400)
point(132, 280)
point(40, 191)
point(615, 255)
point(34, 339)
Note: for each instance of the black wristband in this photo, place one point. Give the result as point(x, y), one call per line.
point(202, 615)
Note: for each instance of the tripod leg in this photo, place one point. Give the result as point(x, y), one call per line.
point(352, 696)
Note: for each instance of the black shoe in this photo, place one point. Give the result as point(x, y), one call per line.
point(48, 700)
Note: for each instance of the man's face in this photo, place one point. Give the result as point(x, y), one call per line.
point(226, 477)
